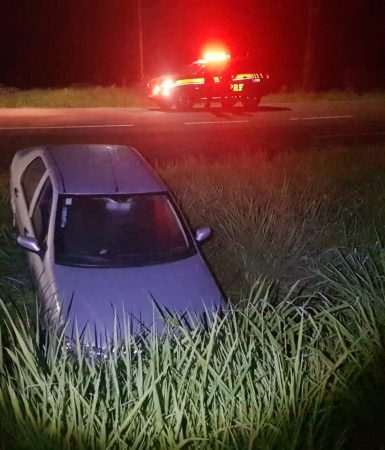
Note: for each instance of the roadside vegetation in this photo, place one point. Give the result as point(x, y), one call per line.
point(122, 97)
point(284, 215)
point(296, 361)
point(74, 97)
point(329, 95)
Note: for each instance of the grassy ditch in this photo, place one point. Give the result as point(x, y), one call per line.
point(282, 216)
point(122, 97)
point(261, 377)
point(16, 289)
point(279, 217)
point(298, 247)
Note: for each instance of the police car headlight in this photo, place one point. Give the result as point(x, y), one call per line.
point(167, 84)
point(166, 87)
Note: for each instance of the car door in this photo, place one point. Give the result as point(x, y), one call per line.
point(216, 82)
point(210, 87)
point(40, 216)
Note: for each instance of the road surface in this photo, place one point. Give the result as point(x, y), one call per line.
point(208, 133)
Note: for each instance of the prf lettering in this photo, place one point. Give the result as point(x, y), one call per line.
point(237, 87)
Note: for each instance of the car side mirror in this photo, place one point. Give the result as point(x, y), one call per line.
point(29, 243)
point(202, 234)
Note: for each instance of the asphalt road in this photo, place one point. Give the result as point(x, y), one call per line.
point(205, 133)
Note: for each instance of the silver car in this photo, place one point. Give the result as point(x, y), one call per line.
point(105, 239)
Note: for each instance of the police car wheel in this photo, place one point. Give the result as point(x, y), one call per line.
point(251, 102)
point(165, 105)
point(228, 103)
point(183, 103)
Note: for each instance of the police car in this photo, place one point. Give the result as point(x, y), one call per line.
point(216, 77)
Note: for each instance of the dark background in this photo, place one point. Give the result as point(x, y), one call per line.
point(65, 42)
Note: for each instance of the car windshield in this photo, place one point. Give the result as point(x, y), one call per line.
point(191, 70)
point(118, 231)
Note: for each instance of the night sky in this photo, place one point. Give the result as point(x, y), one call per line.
point(73, 42)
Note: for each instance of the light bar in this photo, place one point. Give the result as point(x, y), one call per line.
point(216, 56)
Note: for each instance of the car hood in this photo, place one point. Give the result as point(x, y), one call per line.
point(95, 296)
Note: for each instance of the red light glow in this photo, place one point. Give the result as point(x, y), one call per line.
point(216, 56)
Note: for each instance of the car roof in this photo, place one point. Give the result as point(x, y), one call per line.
point(100, 169)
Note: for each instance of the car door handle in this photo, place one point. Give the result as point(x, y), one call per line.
point(16, 191)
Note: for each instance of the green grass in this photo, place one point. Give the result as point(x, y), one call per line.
point(278, 217)
point(15, 285)
point(114, 96)
point(281, 216)
point(261, 377)
point(298, 246)
point(90, 97)
point(330, 95)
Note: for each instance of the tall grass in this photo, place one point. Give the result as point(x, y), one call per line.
point(258, 377)
point(277, 216)
point(282, 216)
point(15, 285)
point(134, 96)
point(329, 95)
point(274, 372)
point(72, 97)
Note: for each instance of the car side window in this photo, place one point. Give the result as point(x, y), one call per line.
point(31, 177)
point(42, 212)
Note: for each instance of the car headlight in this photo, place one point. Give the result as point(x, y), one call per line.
point(166, 87)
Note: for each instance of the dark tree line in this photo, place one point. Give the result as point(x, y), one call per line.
point(303, 43)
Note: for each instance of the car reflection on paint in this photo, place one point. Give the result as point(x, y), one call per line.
point(105, 239)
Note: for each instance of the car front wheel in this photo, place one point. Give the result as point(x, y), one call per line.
point(165, 104)
point(228, 103)
point(183, 103)
point(251, 102)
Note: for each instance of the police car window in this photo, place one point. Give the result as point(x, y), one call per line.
point(31, 177)
point(42, 212)
point(192, 70)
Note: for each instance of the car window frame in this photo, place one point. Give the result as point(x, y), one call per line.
point(34, 204)
point(30, 203)
point(37, 193)
point(191, 248)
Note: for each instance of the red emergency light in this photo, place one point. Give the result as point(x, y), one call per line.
point(216, 56)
